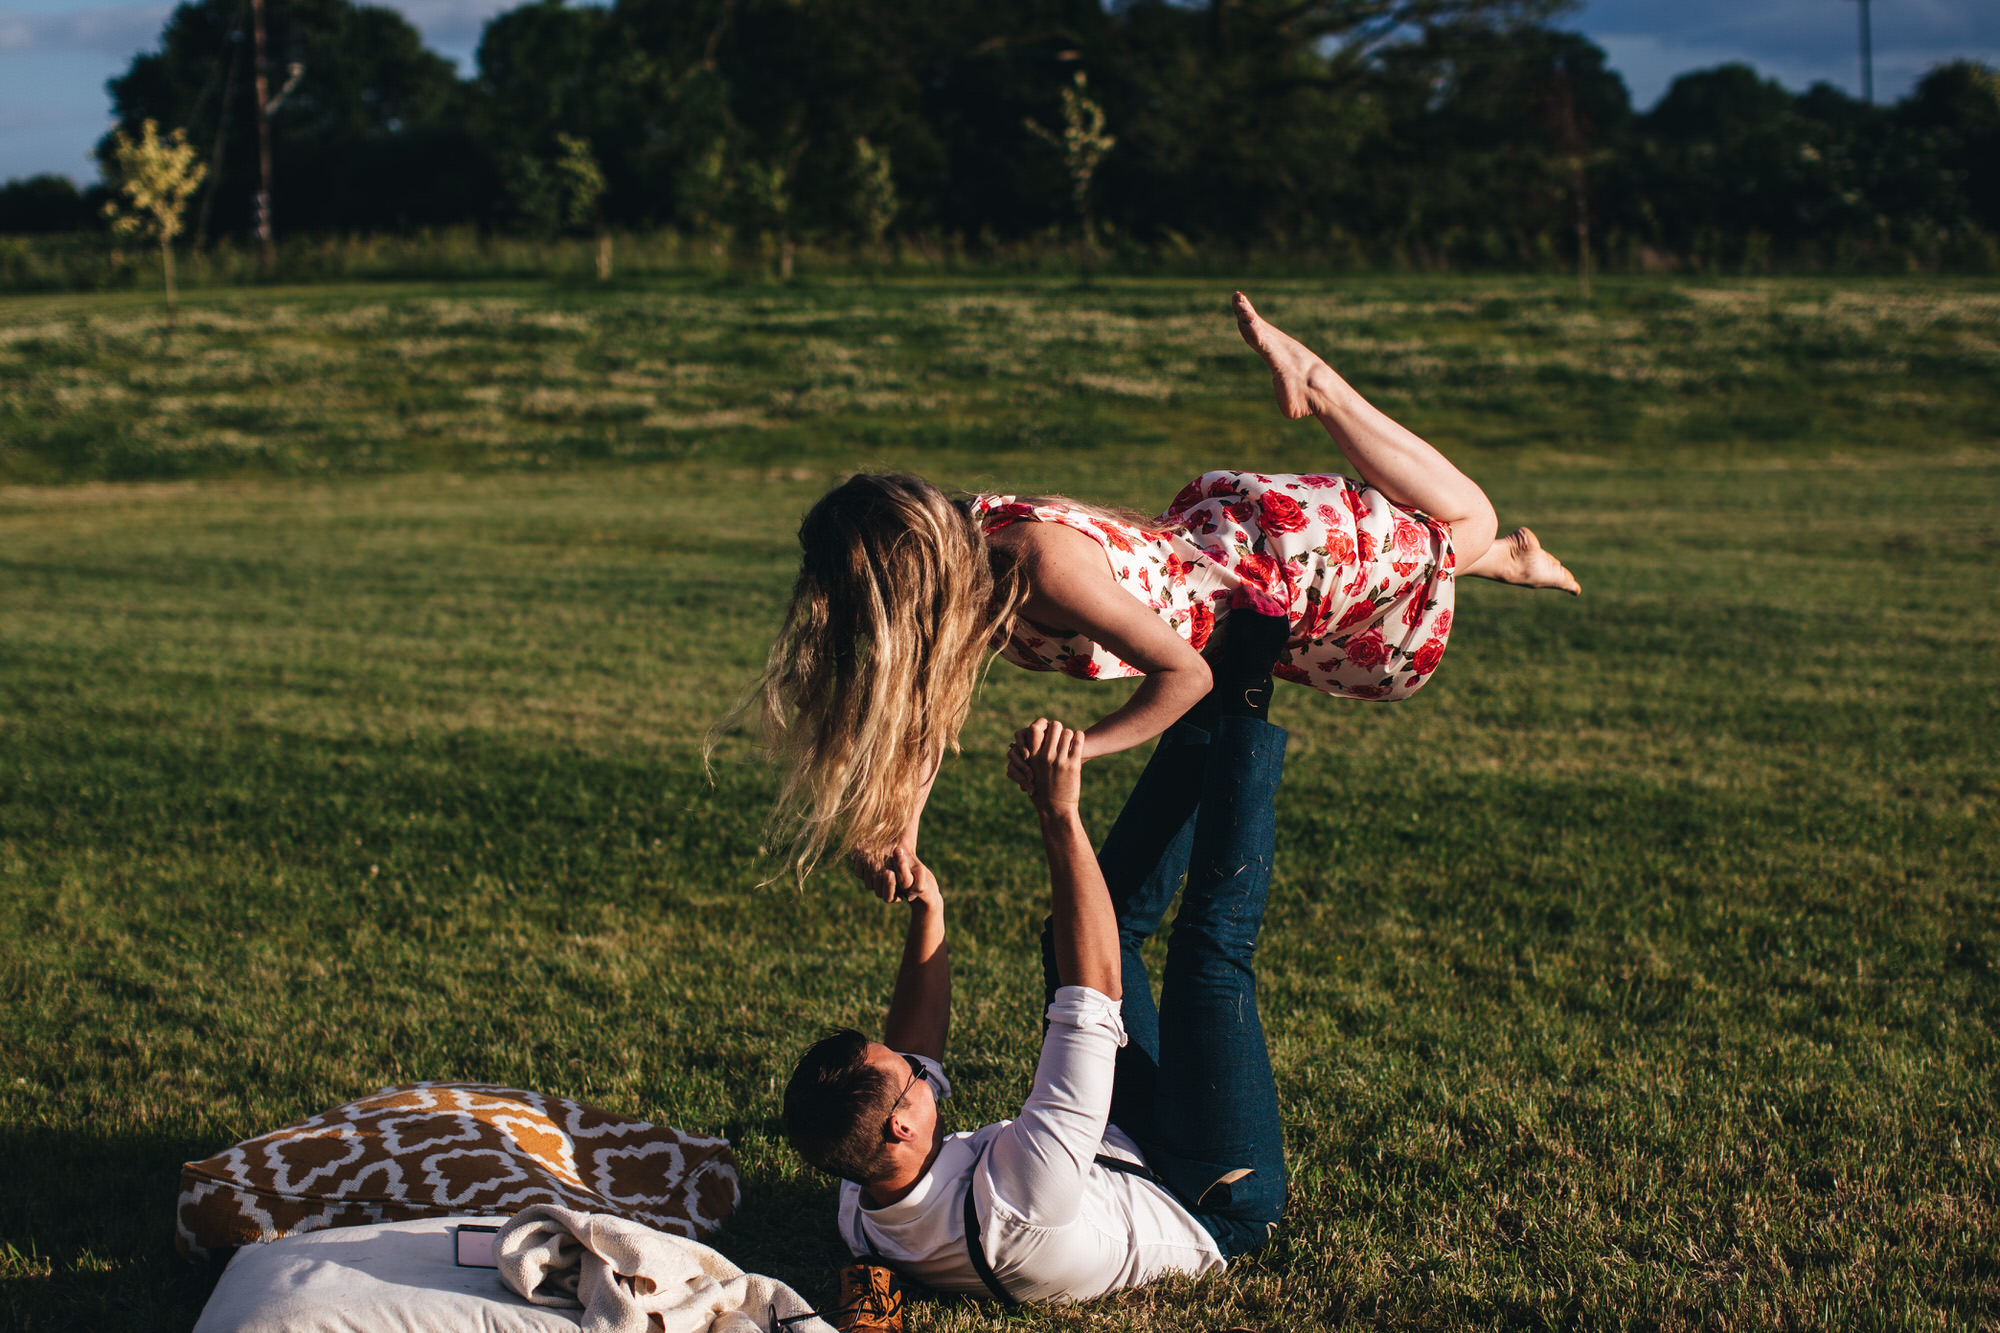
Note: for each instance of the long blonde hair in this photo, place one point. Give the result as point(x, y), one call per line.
point(873, 670)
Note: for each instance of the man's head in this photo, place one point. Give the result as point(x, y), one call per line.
point(858, 1110)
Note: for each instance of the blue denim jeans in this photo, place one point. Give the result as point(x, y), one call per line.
point(1194, 1086)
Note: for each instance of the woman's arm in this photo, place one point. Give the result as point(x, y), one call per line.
point(1070, 586)
point(892, 875)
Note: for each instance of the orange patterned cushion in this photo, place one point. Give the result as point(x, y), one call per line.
point(434, 1149)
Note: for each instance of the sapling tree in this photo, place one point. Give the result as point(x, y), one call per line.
point(767, 190)
point(872, 193)
point(581, 184)
point(157, 176)
point(702, 192)
point(1083, 144)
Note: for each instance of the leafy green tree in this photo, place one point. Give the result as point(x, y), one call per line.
point(1957, 104)
point(1731, 159)
point(1437, 131)
point(156, 176)
point(43, 204)
point(375, 135)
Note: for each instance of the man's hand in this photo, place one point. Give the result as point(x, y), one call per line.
point(1046, 761)
point(925, 895)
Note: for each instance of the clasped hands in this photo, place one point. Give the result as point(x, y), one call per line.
point(1045, 761)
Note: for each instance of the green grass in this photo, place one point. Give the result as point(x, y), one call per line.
point(363, 380)
point(1638, 973)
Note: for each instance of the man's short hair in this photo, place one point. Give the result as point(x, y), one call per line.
point(836, 1105)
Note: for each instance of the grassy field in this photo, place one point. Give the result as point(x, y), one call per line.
point(356, 645)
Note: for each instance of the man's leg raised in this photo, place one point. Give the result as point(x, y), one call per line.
point(1216, 1136)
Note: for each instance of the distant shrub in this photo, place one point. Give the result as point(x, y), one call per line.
point(92, 261)
point(42, 205)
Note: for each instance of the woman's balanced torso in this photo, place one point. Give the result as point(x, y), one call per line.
point(1367, 586)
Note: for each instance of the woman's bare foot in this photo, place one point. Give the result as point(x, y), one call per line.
point(1518, 558)
point(1302, 381)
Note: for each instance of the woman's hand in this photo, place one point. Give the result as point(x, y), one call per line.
point(890, 875)
point(1046, 761)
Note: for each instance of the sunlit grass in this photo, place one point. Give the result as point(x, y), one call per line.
point(321, 381)
point(1638, 973)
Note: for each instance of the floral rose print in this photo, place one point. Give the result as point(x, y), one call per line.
point(1358, 614)
point(1368, 587)
point(1280, 512)
point(1202, 624)
point(1425, 659)
point(1369, 650)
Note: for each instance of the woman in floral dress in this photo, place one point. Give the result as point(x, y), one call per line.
point(902, 591)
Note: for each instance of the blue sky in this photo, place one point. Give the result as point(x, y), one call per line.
point(56, 54)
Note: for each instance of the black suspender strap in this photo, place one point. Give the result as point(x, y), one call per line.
point(1125, 1168)
point(975, 1250)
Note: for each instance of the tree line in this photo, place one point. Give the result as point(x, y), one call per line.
point(1421, 132)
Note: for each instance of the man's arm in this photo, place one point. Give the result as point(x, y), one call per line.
point(920, 1009)
point(1085, 927)
point(1039, 1162)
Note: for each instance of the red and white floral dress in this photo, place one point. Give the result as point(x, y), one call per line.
point(1367, 586)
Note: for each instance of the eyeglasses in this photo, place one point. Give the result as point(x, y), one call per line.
point(919, 1073)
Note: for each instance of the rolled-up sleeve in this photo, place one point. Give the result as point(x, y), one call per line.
point(1038, 1163)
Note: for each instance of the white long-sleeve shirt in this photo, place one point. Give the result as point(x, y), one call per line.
point(1055, 1225)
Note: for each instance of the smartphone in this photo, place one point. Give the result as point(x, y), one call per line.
point(476, 1247)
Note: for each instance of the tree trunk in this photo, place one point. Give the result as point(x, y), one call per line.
point(604, 256)
point(167, 265)
point(785, 253)
point(1086, 225)
point(1580, 187)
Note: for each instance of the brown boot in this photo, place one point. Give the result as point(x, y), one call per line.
point(871, 1300)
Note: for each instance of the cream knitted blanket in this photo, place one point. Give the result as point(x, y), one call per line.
point(630, 1278)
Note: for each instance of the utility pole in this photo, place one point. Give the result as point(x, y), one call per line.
point(267, 255)
point(1867, 58)
point(267, 252)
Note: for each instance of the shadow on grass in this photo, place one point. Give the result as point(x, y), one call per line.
point(785, 1229)
point(87, 1230)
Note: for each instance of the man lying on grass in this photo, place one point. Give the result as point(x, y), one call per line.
point(1150, 1143)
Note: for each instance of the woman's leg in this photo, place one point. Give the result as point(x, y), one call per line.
point(1519, 558)
point(1396, 461)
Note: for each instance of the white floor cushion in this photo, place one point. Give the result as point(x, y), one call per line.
point(390, 1277)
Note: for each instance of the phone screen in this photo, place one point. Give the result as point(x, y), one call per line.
point(475, 1247)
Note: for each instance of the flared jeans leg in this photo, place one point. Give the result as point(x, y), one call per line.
point(1194, 1085)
